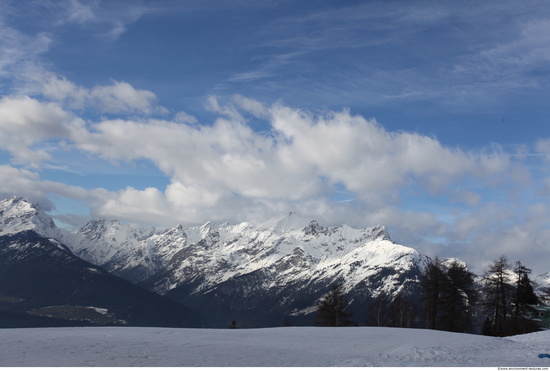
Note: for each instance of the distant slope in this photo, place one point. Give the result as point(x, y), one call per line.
point(40, 276)
point(37, 271)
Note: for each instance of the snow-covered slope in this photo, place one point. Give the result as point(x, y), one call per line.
point(248, 265)
point(544, 279)
point(276, 269)
point(18, 215)
point(289, 246)
point(275, 347)
point(101, 241)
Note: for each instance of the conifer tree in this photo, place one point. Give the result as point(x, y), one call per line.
point(524, 295)
point(508, 298)
point(432, 282)
point(498, 295)
point(448, 295)
point(332, 309)
point(459, 296)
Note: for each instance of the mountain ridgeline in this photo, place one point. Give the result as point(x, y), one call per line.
point(258, 275)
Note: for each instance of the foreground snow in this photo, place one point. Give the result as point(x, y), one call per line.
point(306, 346)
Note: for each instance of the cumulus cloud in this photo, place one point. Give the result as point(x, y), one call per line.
point(26, 122)
point(228, 172)
point(121, 97)
point(116, 98)
point(300, 160)
point(14, 181)
point(185, 118)
point(517, 230)
point(304, 156)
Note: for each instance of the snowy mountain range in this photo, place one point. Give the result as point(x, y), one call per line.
point(259, 274)
point(286, 248)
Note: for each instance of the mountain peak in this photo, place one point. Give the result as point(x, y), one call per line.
point(380, 232)
point(18, 215)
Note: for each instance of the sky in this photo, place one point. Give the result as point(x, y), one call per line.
point(428, 117)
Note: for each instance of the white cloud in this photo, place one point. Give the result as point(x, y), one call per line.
point(185, 118)
point(543, 146)
point(299, 161)
point(121, 97)
point(17, 48)
point(110, 19)
point(78, 13)
point(116, 98)
point(129, 203)
point(517, 230)
point(26, 183)
point(62, 90)
point(26, 122)
point(228, 172)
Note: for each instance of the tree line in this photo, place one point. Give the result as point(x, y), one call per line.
point(500, 303)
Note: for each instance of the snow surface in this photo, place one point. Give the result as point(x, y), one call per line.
point(288, 346)
point(18, 215)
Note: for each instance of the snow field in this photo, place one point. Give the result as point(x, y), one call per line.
point(289, 346)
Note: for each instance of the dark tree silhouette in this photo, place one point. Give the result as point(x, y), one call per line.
point(432, 283)
point(508, 299)
point(498, 294)
point(524, 295)
point(332, 309)
point(448, 295)
point(459, 296)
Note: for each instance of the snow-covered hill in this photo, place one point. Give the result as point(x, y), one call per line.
point(274, 347)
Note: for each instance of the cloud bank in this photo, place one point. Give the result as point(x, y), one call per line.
point(254, 157)
point(307, 161)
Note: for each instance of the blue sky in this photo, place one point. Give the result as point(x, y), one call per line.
point(428, 117)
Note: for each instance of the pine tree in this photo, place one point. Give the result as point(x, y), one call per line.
point(498, 294)
point(524, 295)
point(332, 309)
point(449, 295)
point(508, 300)
point(432, 282)
point(458, 298)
